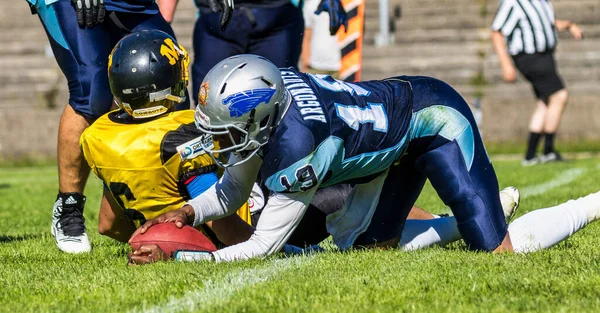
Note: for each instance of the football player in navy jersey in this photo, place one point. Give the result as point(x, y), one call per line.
point(82, 34)
point(302, 132)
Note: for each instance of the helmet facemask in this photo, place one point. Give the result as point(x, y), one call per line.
point(162, 100)
point(245, 139)
point(241, 100)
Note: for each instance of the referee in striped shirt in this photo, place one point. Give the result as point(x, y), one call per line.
point(525, 30)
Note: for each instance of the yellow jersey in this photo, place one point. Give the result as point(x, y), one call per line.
point(144, 163)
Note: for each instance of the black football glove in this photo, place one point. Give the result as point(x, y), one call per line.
point(89, 12)
point(222, 5)
point(337, 14)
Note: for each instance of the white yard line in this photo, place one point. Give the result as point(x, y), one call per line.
point(216, 292)
point(560, 180)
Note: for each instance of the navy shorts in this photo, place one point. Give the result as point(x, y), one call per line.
point(82, 53)
point(445, 147)
point(274, 33)
point(540, 70)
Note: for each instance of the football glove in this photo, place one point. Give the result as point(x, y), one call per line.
point(89, 12)
point(222, 5)
point(337, 14)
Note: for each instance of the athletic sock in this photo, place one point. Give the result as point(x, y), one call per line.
point(534, 140)
point(549, 143)
point(544, 228)
point(424, 233)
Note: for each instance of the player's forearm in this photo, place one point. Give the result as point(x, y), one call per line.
point(122, 230)
point(213, 204)
point(228, 194)
point(277, 222)
point(112, 222)
point(500, 48)
point(232, 230)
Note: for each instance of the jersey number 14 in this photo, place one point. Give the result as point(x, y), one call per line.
point(355, 115)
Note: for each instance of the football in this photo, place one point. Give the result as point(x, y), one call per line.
point(170, 239)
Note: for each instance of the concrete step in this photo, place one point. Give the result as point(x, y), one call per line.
point(449, 14)
point(490, 5)
point(464, 75)
point(464, 35)
point(571, 51)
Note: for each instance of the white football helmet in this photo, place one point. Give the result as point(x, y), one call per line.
point(245, 93)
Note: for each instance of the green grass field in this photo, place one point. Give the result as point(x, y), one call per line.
point(35, 276)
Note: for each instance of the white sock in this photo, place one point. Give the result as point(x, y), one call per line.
point(544, 228)
point(424, 233)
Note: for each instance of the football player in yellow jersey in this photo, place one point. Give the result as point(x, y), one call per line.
point(147, 154)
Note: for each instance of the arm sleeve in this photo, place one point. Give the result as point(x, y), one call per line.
point(506, 18)
point(199, 184)
point(228, 194)
point(277, 222)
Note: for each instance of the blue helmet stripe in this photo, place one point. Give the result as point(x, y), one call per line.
point(243, 102)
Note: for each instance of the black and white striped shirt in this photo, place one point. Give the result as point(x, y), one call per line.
point(527, 25)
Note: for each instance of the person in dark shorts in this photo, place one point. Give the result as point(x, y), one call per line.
point(526, 32)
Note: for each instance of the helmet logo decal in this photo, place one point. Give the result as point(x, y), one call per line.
point(203, 93)
point(171, 51)
point(243, 102)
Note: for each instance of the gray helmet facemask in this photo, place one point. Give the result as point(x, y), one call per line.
point(244, 93)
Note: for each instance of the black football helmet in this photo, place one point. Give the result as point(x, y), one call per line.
point(148, 73)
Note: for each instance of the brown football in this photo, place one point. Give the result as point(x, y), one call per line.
point(171, 239)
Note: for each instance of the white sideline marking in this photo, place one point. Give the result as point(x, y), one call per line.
point(217, 292)
point(560, 180)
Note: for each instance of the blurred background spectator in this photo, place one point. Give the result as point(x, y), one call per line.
point(320, 51)
point(529, 28)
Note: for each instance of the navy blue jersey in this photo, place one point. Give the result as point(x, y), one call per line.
point(336, 132)
point(132, 6)
point(129, 6)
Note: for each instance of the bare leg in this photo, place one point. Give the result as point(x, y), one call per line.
point(556, 106)
point(68, 223)
point(112, 221)
point(537, 122)
point(73, 171)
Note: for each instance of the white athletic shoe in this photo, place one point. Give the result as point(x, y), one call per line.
point(530, 162)
point(509, 197)
point(68, 223)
